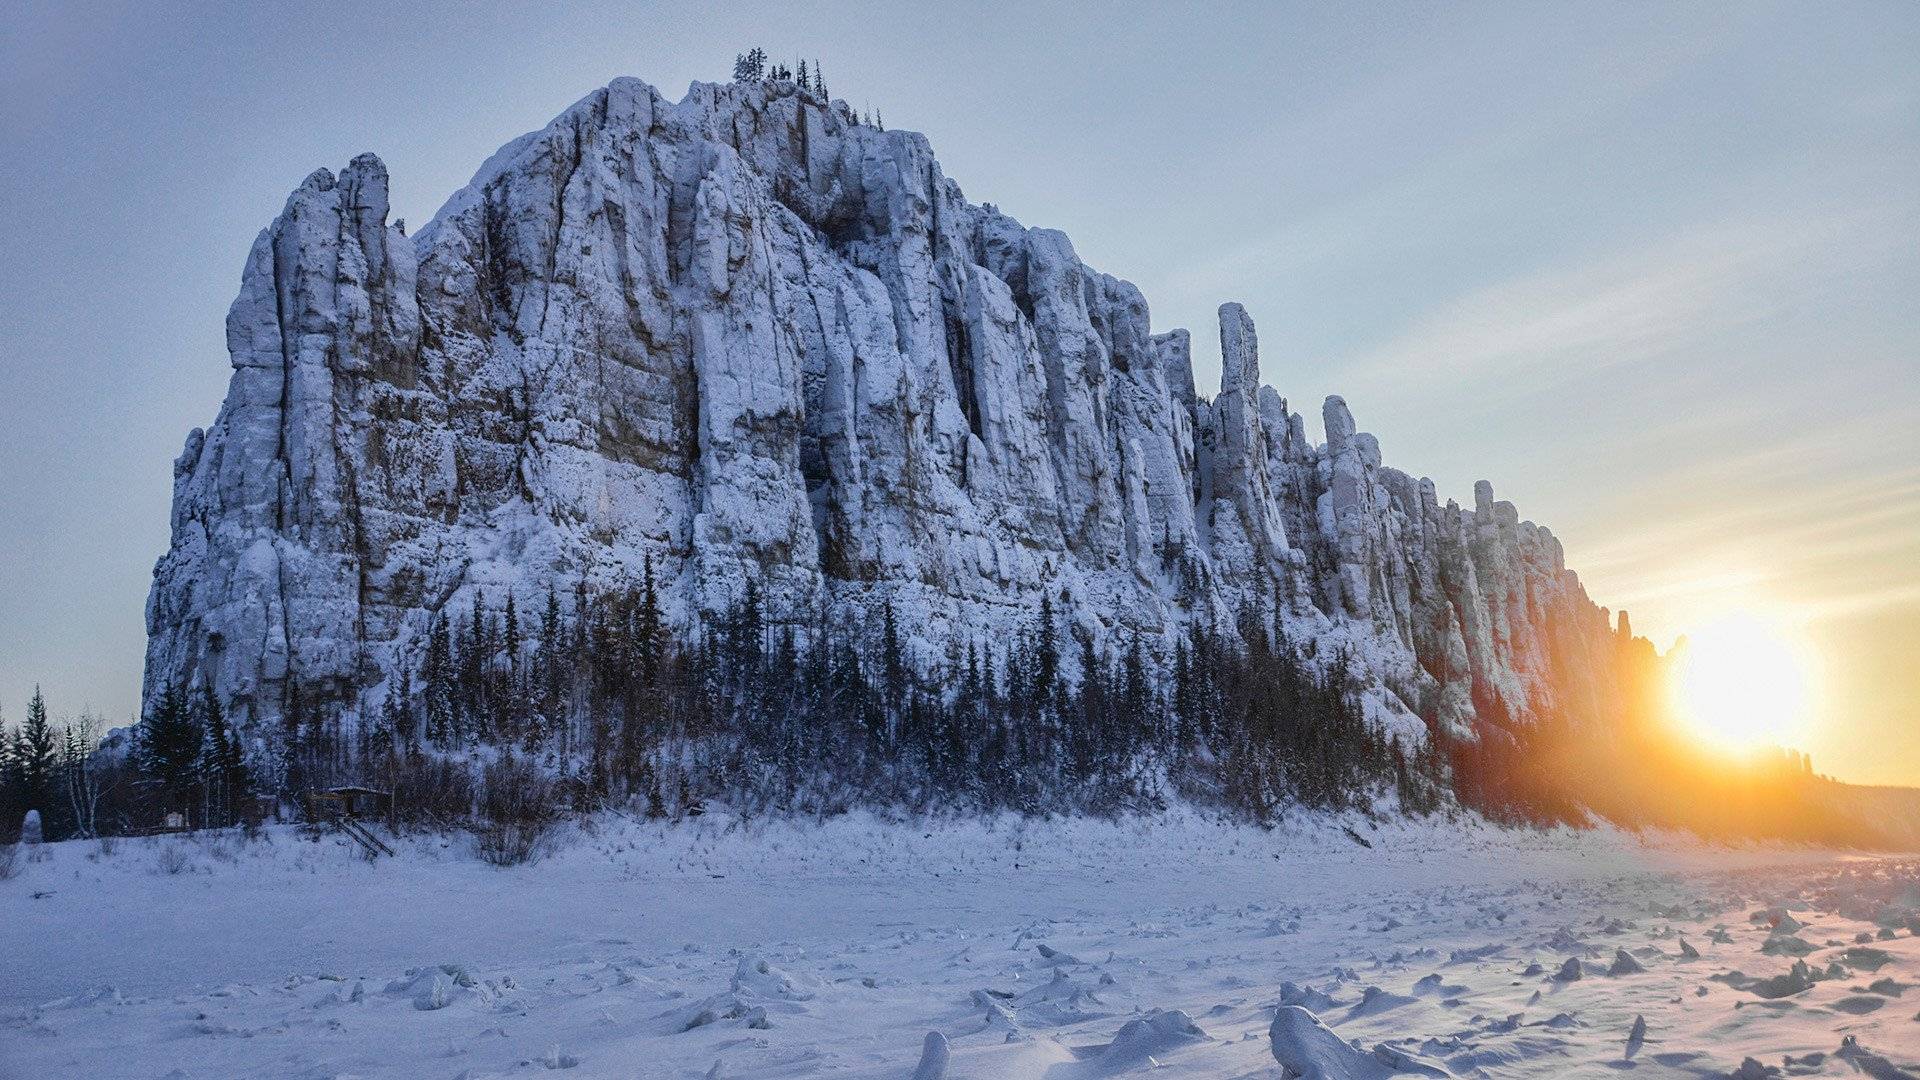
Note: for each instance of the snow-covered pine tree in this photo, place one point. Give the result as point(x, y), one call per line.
point(750, 66)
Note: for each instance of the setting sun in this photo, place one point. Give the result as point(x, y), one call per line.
point(1740, 682)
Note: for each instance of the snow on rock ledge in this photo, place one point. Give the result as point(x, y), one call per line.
point(744, 337)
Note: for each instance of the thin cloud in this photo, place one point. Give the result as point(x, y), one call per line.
point(1650, 302)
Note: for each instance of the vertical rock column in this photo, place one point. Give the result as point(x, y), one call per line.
point(1248, 530)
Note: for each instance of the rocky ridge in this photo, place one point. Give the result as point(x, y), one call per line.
point(743, 336)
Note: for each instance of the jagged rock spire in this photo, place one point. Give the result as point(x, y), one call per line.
point(1240, 463)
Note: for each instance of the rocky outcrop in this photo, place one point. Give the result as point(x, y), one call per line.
point(743, 337)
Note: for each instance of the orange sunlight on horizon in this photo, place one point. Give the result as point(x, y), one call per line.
point(1743, 682)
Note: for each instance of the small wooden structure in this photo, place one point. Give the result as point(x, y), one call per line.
point(344, 807)
point(349, 801)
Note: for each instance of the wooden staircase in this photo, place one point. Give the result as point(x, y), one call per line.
point(360, 834)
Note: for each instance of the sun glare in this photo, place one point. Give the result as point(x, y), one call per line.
point(1741, 683)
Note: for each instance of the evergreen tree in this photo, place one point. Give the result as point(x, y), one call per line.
point(648, 630)
point(551, 672)
point(10, 793)
point(169, 751)
point(1046, 657)
point(1135, 691)
point(750, 66)
point(439, 679)
point(395, 728)
point(474, 661)
point(893, 662)
point(223, 764)
point(36, 756)
point(510, 635)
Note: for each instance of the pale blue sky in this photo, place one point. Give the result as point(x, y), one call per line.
point(1653, 269)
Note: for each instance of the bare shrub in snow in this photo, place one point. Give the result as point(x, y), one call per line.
point(173, 859)
point(518, 812)
point(429, 791)
point(9, 861)
point(220, 847)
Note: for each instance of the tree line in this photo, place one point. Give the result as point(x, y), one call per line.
point(755, 66)
point(769, 712)
point(183, 760)
point(594, 700)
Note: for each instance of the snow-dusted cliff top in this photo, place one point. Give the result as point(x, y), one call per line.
point(747, 337)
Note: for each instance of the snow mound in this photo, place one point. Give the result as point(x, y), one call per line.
point(1306, 997)
point(712, 1010)
point(755, 976)
point(1309, 1050)
point(1375, 1000)
point(1434, 986)
point(1141, 1040)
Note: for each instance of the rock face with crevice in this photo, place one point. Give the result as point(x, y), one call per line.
point(742, 337)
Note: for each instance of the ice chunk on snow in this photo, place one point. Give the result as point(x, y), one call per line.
point(934, 1055)
point(1781, 943)
point(436, 994)
point(1866, 959)
point(1625, 964)
point(1052, 957)
point(1870, 1063)
point(1797, 980)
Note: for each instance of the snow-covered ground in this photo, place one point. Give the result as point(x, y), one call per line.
point(1055, 950)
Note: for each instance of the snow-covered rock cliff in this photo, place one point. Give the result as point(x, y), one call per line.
point(747, 337)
